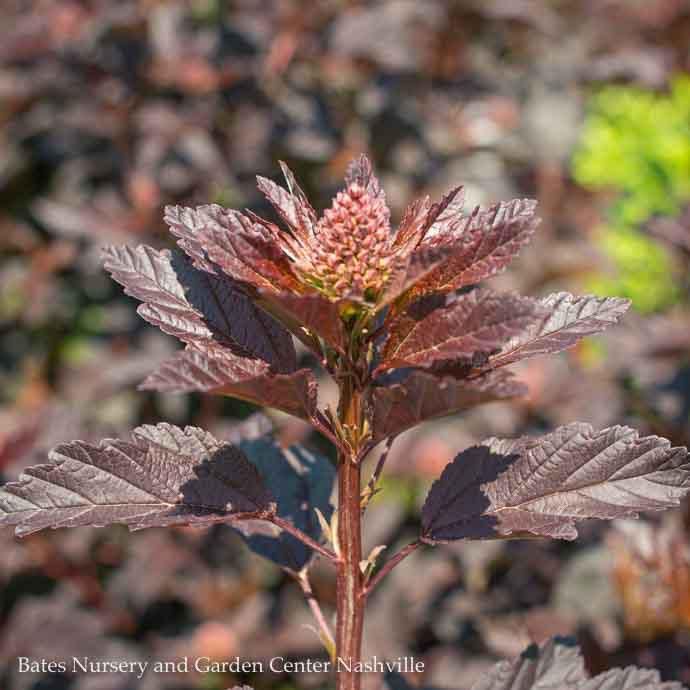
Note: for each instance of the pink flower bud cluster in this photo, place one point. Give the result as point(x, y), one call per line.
point(350, 251)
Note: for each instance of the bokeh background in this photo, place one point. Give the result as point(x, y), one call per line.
point(110, 110)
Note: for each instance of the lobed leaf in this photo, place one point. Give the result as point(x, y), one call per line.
point(422, 396)
point(555, 665)
point(185, 224)
point(477, 322)
point(558, 665)
point(291, 204)
point(163, 476)
point(629, 678)
point(301, 482)
point(543, 486)
point(408, 271)
point(246, 250)
point(211, 369)
point(446, 216)
point(413, 224)
point(220, 240)
point(236, 246)
point(314, 312)
point(482, 244)
point(197, 307)
point(567, 320)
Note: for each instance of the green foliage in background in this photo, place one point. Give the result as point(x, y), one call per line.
point(637, 143)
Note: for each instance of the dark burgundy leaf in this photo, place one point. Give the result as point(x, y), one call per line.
point(234, 249)
point(558, 665)
point(198, 307)
point(291, 204)
point(410, 269)
point(422, 396)
point(301, 482)
point(314, 312)
point(247, 250)
point(482, 244)
point(185, 224)
point(629, 678)
point(296, 190)
point(244, 249)
point(211, 369)
point(480, 321)
point(413, 224)
point(544, 486)
point(163, 476)
point(445, 216)
point(149, 276)
point(567, 319)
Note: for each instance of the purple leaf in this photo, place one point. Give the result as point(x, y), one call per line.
point(544, 486)
point(414, 224)
point(244, 249)
point(198, 307)
point(446, 216)
point(629, 678)
point(291, 204)
point(482, 244)
point(314, 312)
point(410, 269)
point(163, 476)
point(480, 321)
point(185, 224)
point(558, 665)
point(301, 482)
point(422, 396)
point(247, 256)
point(211, 369)
point(567, 319)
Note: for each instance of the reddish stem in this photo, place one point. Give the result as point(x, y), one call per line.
point(287, 526)
point(350, 605)
point(388, 566)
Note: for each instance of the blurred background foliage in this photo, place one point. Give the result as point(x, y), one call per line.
point(636, 143)
point(109, 111)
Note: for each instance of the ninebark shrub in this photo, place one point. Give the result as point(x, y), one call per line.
point(396, 318)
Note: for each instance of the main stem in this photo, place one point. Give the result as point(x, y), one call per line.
point(349, 584)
